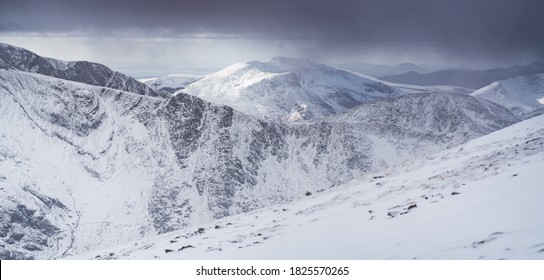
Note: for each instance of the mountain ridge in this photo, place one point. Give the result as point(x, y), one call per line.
point(12, 57)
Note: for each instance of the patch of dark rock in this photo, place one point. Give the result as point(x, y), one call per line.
point(392, 214)
point(32, 247)
point(185, 247)
point(166, 251)
point(308, 193)
point(412, 206)
point(17, 236)
point(13, 255)
point(455, 193)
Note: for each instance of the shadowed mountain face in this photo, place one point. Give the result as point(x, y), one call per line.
point(95, 74)
point(465, 78)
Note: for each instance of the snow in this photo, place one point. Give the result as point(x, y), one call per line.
point(104, 167)
point(273, 90)
point(172, 82)
point(521, 95)
point(91, 185)
point(480, 200)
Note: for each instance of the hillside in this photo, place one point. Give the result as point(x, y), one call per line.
point(481, 200)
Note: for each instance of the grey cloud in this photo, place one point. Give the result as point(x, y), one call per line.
point(491, 29)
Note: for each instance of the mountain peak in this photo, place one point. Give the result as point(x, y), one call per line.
point(276, 88)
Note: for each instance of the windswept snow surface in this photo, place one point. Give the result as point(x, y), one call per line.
point(295, 90)
point(480, 200)
point(521, 95)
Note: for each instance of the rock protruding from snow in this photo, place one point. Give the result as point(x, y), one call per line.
point(95, 74)
point(522, 95)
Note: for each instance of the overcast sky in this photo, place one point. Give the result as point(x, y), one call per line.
point(147, 38)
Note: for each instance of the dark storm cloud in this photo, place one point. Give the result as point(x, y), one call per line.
point(490, 28)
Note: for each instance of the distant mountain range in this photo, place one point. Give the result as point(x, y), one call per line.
point(384, 70)
point(473, 79)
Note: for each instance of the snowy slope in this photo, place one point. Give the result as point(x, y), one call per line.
point(293, 89)
point(171, 83)
point(482, 200)
point(521, 95)
point(16, 58)
point(85, 167)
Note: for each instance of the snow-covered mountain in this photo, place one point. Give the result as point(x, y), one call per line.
point(290, 89)
point(522, 95)
point(17, 58)
point(171, 83)
point(481, 200)
point(85, 167)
